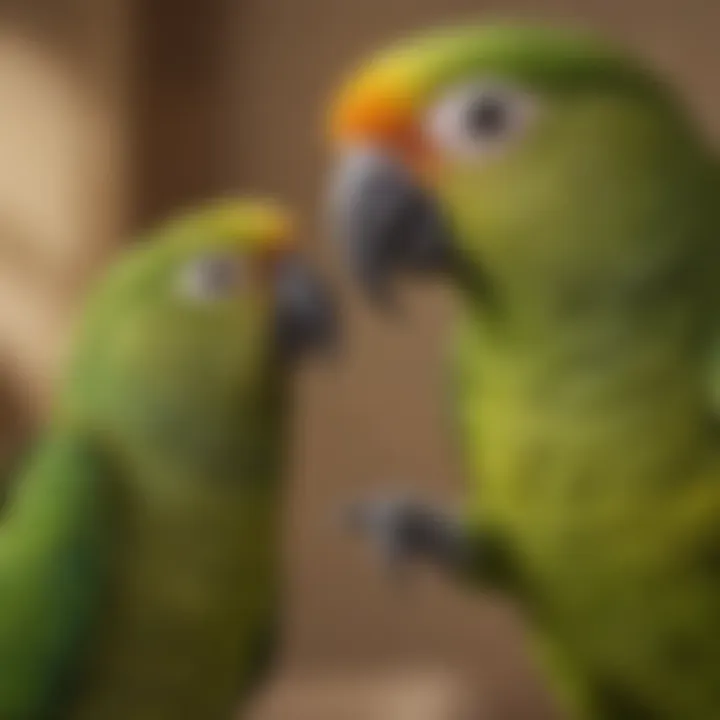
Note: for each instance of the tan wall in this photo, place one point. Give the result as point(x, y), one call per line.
point(63, 169)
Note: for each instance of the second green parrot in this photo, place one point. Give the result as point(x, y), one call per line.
point(139, 567)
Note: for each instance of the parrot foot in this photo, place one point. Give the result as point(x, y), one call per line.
point(403, 530)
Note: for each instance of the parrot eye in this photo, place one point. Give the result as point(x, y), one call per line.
point(211, 278)
point(477, 120)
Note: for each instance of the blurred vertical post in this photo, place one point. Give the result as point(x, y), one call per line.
point(180, 104)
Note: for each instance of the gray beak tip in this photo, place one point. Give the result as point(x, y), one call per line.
point(385, 222)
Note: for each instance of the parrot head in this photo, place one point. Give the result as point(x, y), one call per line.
point(509, 156)
point(188, 340)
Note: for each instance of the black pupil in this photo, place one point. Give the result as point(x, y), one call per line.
point(487, 117)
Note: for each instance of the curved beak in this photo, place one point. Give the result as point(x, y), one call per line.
point(386, 222)
point(306, 317)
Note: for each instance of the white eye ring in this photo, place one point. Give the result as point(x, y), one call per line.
point(479, 119)
point(212, 277)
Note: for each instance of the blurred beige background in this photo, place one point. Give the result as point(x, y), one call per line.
point(113, 113)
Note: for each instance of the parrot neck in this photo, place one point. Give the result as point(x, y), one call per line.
point(208, 440)
point(664, 302)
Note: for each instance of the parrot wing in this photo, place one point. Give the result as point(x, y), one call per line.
point(52, 547)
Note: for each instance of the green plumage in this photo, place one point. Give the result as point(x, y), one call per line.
point(139, 550)
point(592, 440)
point(587, 241)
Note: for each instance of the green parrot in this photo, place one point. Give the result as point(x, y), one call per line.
point(561, 188)
point(139, 568)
